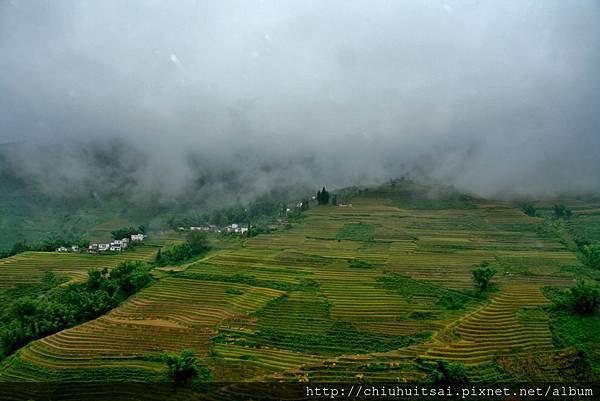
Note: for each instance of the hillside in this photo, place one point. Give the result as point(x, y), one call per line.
point(379, 290)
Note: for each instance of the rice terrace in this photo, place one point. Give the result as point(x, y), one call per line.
point(380, 289)
point(299, 200)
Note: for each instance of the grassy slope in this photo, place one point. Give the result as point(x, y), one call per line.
point(244, 309)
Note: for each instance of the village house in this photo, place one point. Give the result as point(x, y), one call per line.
point(235, 228)
point(93, 248)
point(137, 237)
point(74, 248)
point(103, 247)
point(118, 245)
point(62, 249)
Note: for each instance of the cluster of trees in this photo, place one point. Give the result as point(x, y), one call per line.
point(482, 275)
point(589, 254)
point(581, 299)
point(127, 232)
point(28, 319)
point(561, 211)
point(263, 210)
point(323, 197)
point(196, 244)
point(529, 209)
point(449, 374)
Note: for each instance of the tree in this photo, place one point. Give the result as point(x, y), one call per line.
point(590, 255)
point(126, 232)
point(529, 209)
point(304, 205)
point(159, 259)
point(334, 200)
point(561, 211)
point(585, 299)
point(447, 374)
point(482, 275)
point(198, 242)
point(182, 367)
point(323, 197)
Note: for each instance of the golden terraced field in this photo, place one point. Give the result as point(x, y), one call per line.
point(292, 306)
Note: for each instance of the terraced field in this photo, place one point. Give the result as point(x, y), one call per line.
point(30, 267)
point(373, 291)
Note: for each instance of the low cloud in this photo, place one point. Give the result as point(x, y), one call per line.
point(234, 98)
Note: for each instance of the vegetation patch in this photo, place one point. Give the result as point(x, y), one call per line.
point(302, 323)
point(573, 329)
point(30, 318)
point(356, 232)
point(420, 315)
point(359, 263)
point(196, 244)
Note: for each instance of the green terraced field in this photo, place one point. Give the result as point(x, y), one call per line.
point(372, 292)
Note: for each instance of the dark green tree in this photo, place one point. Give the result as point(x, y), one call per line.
point(304, 205)
point(198, 242)
point(482, 276)
point(182, 367)
point(449, 373)
point(590, 255)
point(561, 211)
point(159, 259)
point(529, 209)
point(585, 299)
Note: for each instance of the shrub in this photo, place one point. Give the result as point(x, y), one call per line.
point(529, 209)
point(182, 367)
point(446, 374)
point(561, 211)
point(590, 255)
point(584, 299)
point(196, 244)
point(234, 291)
point(482, 275)
point(420, 315)
point(359, 263)
point(126, 232)
point(451, 302)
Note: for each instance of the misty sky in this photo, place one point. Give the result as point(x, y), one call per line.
point(495, 97)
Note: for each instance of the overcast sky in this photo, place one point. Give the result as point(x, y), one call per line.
point(495, 97)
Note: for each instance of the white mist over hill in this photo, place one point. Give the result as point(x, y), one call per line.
point(497, 98)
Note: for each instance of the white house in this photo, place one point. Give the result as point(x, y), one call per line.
point(74, 248)
point(137, 237)
point(62, 249)
point(103, 247)
point(116, 247)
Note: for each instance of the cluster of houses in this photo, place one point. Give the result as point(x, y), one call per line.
point(115, 246)
point(230, 229)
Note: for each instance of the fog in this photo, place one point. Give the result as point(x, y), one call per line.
point(233, 98)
